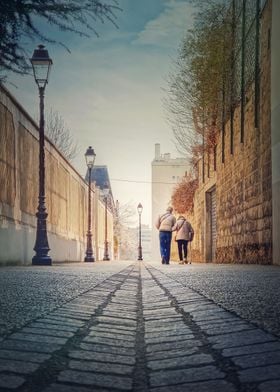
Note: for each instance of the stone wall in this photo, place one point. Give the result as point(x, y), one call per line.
point(242, 181)
point(66, 193)
point(275, 128)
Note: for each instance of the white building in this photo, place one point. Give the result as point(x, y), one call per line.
point(166, 174)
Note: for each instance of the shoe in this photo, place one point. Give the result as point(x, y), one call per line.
point(163, 260)
point(181, 262)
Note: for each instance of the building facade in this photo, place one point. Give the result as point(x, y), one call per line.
point(236, 206)
point(167, 172)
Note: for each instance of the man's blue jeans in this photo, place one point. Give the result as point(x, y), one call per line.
point(165, 243)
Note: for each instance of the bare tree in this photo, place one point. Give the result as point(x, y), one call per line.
point(124, 219)
point(195, 95)
point(60, 135)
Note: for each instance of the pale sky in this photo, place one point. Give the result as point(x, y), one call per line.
point(110, 89)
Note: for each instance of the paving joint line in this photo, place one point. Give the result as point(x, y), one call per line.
point(19, 328)
point(221, 362)
point(140, 374)
point(48, 371)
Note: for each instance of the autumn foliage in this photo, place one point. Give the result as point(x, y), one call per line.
point(183, 195)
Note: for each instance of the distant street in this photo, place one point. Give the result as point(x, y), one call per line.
point(129, 326)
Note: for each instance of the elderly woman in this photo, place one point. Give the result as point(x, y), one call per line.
point(184, 234)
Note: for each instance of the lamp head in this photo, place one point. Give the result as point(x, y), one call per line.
point(139, 208)
point(90, 157)
point(41, 64)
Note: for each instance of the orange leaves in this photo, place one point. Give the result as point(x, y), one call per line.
point(183, 195)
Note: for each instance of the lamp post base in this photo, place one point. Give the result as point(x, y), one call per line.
point(106, 258)
point(41, 260)
point(89, 259)
point(140, 259)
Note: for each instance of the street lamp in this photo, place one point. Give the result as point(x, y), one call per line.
point(140, 209)
point(90, 158)
point(41, 64)
point(106, 191)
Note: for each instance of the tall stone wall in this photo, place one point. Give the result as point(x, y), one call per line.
point(66, 192)
point(242, 181)
point(275, 128)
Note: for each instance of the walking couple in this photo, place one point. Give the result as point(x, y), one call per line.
point(166, 224)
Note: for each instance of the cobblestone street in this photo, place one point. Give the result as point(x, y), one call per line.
point(129, 326)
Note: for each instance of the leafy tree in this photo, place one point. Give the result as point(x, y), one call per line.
point(19, 19)
point(60, 135)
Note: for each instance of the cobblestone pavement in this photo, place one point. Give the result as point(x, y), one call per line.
point(251, 291)
point(139, 330)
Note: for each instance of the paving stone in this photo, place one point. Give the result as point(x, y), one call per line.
point(11, 381)
point(162, 318)
point(24, 356)
point(164, 323)
point(115, 329)
point(93, 366)
point(168, 338)
point(240, 338)
point(173, 345)
point(262, 373)
point(21, 367)
point(179, 362)
point(102, 357)
point(107, 349)
point(53, 325)
point(38, 338)
point(73, 315)
point(230, 328)
point(221, 321)
point(261, 359)
point(122, 308)
point(116, 335)
point(154, 305)
point(109, 341)
point(120, 327)
point(163, 311)
point(69, 388)
point(270, 386)
point(120, 314)
point(117, 320)
point(82, 309)
point(66, 320)
point(194, 307)
point(173, 377)
point(29, 346)
point(251, 349)
point(46, 332)
point(168, 333)
point(209, 386)
point(217, 313)
point(85, 378)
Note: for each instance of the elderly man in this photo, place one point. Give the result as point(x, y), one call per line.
point(164, 224)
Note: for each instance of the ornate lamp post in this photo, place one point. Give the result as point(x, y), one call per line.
point(90, 158)
point(106, 257)
point(140, 209)
point(41, 64)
